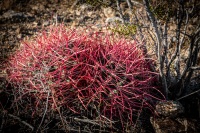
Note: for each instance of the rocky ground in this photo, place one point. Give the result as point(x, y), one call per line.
point(23, 19)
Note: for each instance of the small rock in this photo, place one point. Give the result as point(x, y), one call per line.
point(113, 20)
point(78, 13)
point(169, 108)
point(109, 12)
point(85, 7)
point(46, 23)
point(172, 125)
point(19, 36)
point(38, 7)
point(169, 120)
point(90, 13)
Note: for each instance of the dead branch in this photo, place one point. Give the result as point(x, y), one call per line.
point(86, 121)
point(129, 4)
point(120, 11)
point(189, 95)
point(20, 120)
point(44, 111)
point(136, 2)
point(195, 68)
point(158, 40)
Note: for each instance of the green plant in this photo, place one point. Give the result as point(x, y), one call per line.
point(124, 29)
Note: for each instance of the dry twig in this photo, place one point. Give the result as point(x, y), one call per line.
point(20, 120)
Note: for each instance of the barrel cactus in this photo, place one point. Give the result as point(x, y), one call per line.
point(77, 71)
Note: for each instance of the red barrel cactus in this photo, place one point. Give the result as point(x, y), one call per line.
point(78, 71)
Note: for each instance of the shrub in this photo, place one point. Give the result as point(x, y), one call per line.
point(96, 3)
point(124, 29)
point(79, 72)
